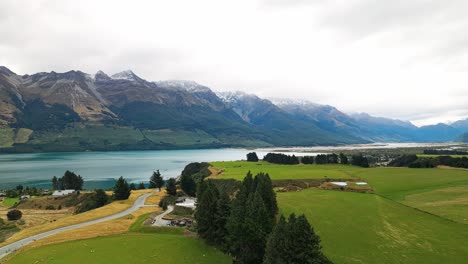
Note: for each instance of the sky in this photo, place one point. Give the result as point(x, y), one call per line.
point(399, 59)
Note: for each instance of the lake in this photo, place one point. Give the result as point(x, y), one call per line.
point(100, 169)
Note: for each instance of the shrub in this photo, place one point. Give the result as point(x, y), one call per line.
point(14, 214)
point(50, 207)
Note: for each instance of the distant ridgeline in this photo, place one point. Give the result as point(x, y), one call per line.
point(77, 111)
point(413, 161)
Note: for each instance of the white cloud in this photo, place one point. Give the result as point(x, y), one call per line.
point(400, 59)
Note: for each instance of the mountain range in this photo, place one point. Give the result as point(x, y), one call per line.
point(76, 111)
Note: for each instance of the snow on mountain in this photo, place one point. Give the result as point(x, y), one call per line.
point(189, 86)
point(125, 75)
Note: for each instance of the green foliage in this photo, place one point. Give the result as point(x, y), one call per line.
point(98, 199)
point(307, 160)
point(171, 187)
point(156, 180)
point(403, 161)
point(121, 189)
point(343, 159)
point(166, 201)
point(132, 186)
point(252, 157)
point(294, 241)
point(14, 214)
point(205, 213)
point(69, 180)
point(360, 160)
point(192, 175)
point(250, 220)
point(280, 158)
point(141, 186)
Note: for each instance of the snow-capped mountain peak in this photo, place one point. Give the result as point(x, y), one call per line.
point(125, 75)
point(189, 86)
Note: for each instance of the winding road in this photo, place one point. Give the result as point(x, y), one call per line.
point(139, 202)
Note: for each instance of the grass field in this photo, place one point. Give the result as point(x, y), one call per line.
point(112, 208)
point(128, 248)
point(9, 202)
point(367, 228)
point(238, 170)
point(411, 218)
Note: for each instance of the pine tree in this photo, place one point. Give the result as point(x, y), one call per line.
point(294, 241)
point(141, 186)
point(121, 189)
point(265, 187)
point(132, 186)
point(188, 185)
point(252, 157)
point(171, 187)
point(223, 210)
point(276, 244)
point(205, 212)
point(156, 180)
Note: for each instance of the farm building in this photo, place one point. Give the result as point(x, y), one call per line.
point(63, 192)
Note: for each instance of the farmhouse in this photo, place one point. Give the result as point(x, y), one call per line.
point(63, 192)
point(24, 197)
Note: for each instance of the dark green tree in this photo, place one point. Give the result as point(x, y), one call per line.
point(264, 186)
point(252, 157)
point(141, 186)
point(223, 209)
point(101, 198)
point(132, 186)
point(14, 214)
point(171, 187)
point(343, 159)
point(188, 185)
point(55, 183)
point(294, 241)
point(156, 180)
point(275, 251)
point(205, 213)
point(121, 189)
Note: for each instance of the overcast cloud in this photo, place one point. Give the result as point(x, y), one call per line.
point(400, 59)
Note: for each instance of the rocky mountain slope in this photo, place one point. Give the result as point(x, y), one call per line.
point(77, 111)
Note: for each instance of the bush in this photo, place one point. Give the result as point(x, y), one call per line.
point(50, 207)
point(252, 157)
point(14, 214)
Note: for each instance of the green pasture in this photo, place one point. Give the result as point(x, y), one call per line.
point(367, 228)
point(238, 169)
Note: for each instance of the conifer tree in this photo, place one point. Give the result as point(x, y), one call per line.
point(171, 187)
point(156, 180)
point(205, 213)
point(121, 189)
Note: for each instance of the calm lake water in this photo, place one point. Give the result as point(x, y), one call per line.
point(100, 169)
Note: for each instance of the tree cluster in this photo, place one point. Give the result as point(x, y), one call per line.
point(252, 157)
point(360, 160)
point(413, 161)
point(121, 189)
point(98, 199)
point(69, 180)
point(171, 187)
point(280, 158)
point(193, 174)
point(403, 161)
point(242, 227)
point(326, 159)
point(444, 152)
point(294, 241)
